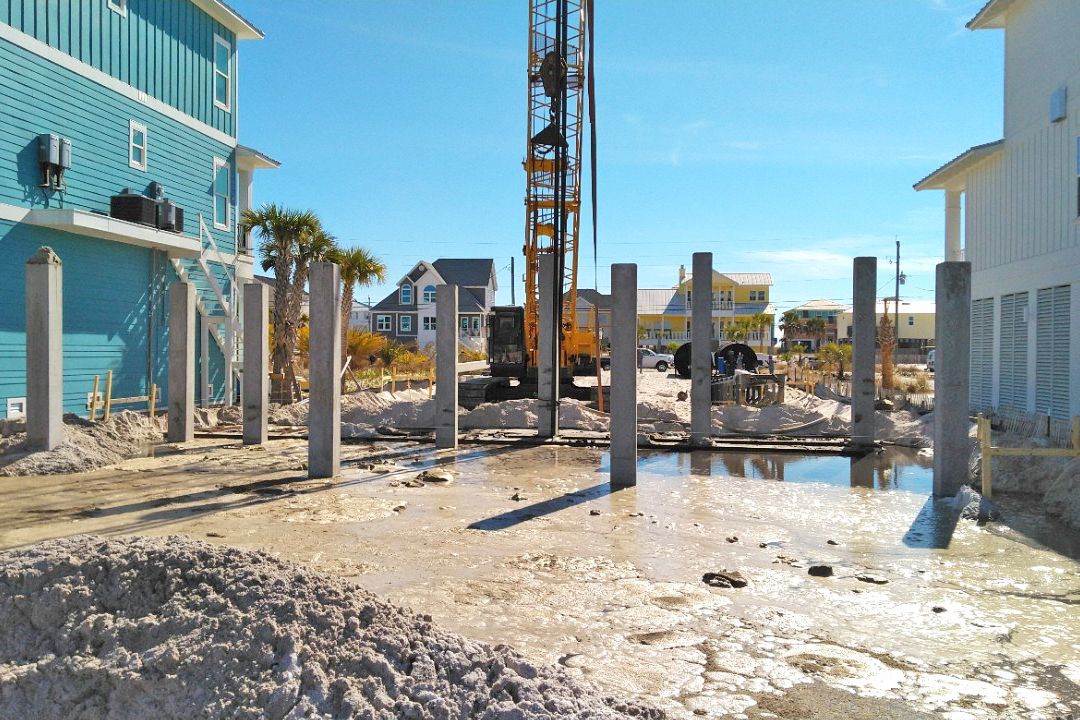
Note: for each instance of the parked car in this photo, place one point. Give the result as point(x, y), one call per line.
point(650, 359)
point(930, 361)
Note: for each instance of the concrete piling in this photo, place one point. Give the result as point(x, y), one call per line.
point(181, 426)
point(256, 385)
point(446, 363)
point(951, 379)
point(324, 414)
point(864, 333)
point(547, 371)
point(623, 376)
point(44, 350)
point(701, 344)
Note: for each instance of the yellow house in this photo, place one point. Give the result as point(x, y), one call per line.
point(916, 329)
point(664, 313)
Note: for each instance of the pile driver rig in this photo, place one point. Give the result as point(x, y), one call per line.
point(557, 88)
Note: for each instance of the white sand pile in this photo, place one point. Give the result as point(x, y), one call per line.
point(207, 418)
point(404, 409)
point(172, 628)
point(87, 446)
point(573, 415)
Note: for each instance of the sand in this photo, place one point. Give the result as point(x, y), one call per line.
point(87, 446)
point(173, 628)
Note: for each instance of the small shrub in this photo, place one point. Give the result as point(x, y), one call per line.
point(469, 355)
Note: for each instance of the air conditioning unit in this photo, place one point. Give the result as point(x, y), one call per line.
point(169, 216)
point(134, 207)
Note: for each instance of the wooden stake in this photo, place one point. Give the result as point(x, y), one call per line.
point(153, 399)
point(93, 399)
point(108, 395)
point(983, 425)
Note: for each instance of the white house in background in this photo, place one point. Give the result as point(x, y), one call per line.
point(1021, 220)
point(360, 317)
point(408, 314)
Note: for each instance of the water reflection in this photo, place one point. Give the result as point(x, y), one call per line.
point(891, 469)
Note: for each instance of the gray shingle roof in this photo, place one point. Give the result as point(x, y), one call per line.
point(472, 272)
point(594, 298)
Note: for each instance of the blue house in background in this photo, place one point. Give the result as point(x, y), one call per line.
point(135, 99)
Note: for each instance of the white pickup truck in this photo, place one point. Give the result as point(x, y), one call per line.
point(650, 359)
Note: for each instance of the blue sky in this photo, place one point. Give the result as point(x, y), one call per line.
point(781, 136)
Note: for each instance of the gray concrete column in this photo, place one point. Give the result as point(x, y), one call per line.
point(701, 346)
point(951, 380)
point(547, 372)
point(863, 336)
point(446, 364)
point(44, 350)
point(623, 374)
point(256, 386)
point(181, 363)
point(324, 400)
point(953, 251)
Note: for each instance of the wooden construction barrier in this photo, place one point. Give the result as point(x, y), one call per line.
point(987, 451)
point(93, 399)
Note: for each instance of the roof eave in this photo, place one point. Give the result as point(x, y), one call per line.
point(231, 19)
point(991, 17)
point(251, 159)
point(950, 175)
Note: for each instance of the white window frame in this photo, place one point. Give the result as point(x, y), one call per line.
point(429, 322)
point(118, 6)
point(430, 299)
point(134, 127)
point(404, 323)
point(218, 164)
point(402, 293)
point(214, 72)
point(380, 326)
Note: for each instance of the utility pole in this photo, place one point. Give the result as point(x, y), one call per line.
point(513, 277)
point(896, 315)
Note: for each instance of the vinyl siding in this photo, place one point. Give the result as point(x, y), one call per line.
point(1052, 351)
point(113, 314)
point(37, 96)
point(162, 47)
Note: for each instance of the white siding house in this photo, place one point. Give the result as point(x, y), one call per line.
point(1021, 218)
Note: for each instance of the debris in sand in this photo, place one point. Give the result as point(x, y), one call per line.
point(820, 570)
point(518, 497)
point(872, 579)
point(435, 476)
point(724, 579)
point(173, 628)
point(973, 506)
point(86, 446)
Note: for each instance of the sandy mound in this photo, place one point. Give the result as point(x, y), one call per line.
point(573, 415)
point(172, 628)
point(87, 446)
point(405, 408)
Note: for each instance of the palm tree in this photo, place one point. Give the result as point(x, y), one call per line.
point(816, 327)
point(790, 324)
point(761, 322)
point(280, 231)
point(358, 267)
point(315, 245)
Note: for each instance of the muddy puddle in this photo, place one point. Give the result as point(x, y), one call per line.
point(921, 614)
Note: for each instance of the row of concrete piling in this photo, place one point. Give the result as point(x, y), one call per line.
point(44, 352)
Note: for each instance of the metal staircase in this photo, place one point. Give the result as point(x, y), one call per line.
point(217, 305)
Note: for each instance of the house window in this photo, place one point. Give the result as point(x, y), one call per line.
point(222, 75)
point(429, 323)
point(222, 182)
point(384, 323)
point(118, 6)
point(476, 324)
point(137, 145)
point(404, 323)
point(406, 294)
point(910, 320)
point(429, 293)
point(464, 323)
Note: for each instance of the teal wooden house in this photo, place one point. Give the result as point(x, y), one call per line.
point(118, 149)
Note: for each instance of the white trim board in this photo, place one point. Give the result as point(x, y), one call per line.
point(31, 44)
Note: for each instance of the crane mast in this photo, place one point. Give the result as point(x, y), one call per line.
point(556, 67)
